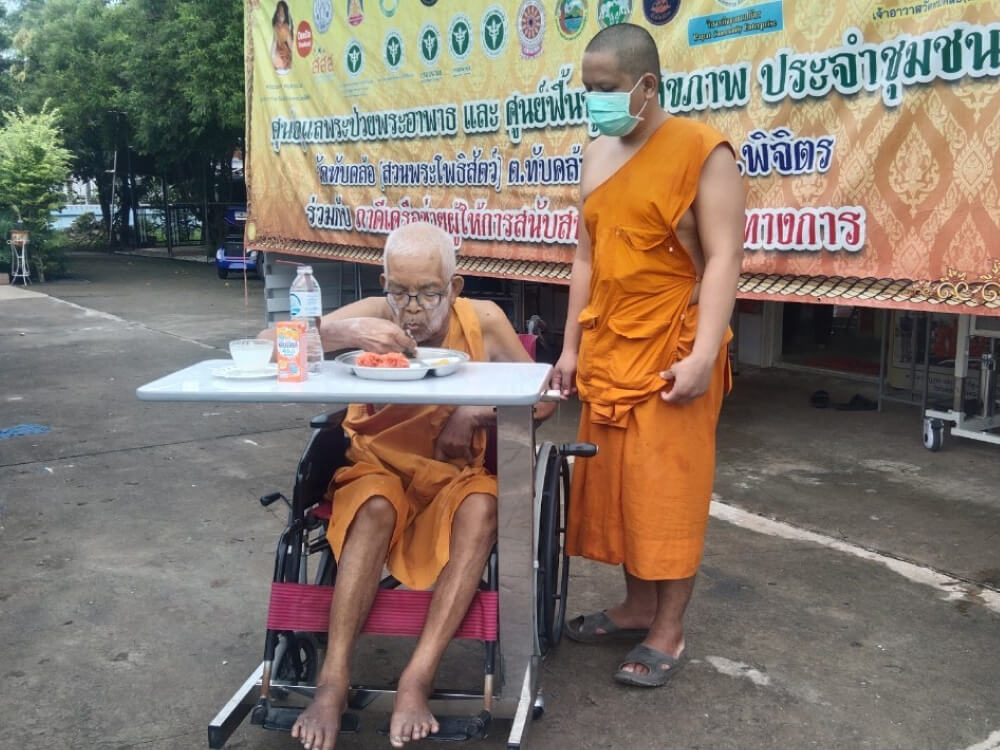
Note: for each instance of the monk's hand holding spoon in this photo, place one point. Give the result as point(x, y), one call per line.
point(376, 335)
point(689, 378)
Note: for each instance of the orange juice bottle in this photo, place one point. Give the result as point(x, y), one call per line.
point(291, 347)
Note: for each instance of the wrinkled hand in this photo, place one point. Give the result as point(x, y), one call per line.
point(690, 378)
point(377, 335)
point(455, 440)
point(563, 377)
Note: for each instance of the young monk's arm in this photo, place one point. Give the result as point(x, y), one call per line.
point(365, 324)
point(564, 372)
point(719, 209)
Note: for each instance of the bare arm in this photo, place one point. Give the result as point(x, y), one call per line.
point(564, 373)
point(720, 213)
point(579, 290)
point(365, 324)
point(503, 345)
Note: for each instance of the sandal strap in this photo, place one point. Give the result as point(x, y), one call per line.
point(650, 658)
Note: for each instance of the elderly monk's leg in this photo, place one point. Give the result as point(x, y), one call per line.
point(667, 631)
point(473, 533)
point(358, 572)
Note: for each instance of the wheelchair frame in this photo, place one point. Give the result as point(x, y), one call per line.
point(528, 559)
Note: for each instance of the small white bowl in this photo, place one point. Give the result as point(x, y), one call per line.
point(251, 354)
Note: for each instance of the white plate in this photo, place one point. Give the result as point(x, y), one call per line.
point(442, 361)
point(450, 361)
point(232, 372)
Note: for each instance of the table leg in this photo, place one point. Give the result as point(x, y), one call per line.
point(516, 551)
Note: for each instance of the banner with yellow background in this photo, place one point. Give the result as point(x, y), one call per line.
point(868, 132)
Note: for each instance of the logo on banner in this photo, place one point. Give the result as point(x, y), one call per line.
point(613, 12)
point(571, 17)
point(354, 58)
point(304, 39)
point(322, 14)
point(531, 27)
point(355, 11)
point(659, 12)
point(495, 30)
point(460, 37)
point(392, 51)
point(430, 44)
point(388, 7)
point(428, 3)
point(732, 3)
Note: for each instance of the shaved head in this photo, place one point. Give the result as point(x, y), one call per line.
point(632, 46)
point(421, 238)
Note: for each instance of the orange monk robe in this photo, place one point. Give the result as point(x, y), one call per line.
point(392, 455)
point(643, 500)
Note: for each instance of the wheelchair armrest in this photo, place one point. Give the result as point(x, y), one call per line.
point(329, 420)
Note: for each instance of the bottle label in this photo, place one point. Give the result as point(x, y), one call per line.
point(303, 304)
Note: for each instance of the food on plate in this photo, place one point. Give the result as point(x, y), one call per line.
point(373, 359)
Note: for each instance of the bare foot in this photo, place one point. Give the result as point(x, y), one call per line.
point(411, 715)
point(318, 726)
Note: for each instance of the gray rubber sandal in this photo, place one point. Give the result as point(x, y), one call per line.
point(661, 667)
point(584, 629)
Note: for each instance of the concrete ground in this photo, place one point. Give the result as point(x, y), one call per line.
point(848, 597)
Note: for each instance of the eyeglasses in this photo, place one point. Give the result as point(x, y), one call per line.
point(426, 300)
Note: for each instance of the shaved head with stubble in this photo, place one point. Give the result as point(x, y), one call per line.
point(633, 48)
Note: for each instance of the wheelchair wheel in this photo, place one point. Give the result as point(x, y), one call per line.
point(552, 574)
point(296, 658)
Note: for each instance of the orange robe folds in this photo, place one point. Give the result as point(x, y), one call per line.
point(643, 500)
point(392, 455)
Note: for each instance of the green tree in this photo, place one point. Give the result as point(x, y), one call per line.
point(7, 85)
point(159, 82)
point(34, 166)
point(69, 52)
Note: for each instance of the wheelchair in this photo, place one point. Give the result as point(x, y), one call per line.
point(305, 572)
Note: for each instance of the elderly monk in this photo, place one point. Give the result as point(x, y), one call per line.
point(653, 285)
point(416, 495)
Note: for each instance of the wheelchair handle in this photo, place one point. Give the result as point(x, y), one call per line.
point(274, 497)
point(582, 450)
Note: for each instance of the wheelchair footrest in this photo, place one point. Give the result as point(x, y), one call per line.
point(283, 719)
point(457, 728)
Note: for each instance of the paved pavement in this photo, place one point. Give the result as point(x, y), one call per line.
point(848, 598)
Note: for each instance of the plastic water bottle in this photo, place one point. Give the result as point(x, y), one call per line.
point(305, 302)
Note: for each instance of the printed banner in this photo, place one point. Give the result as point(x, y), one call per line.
point(867, 132)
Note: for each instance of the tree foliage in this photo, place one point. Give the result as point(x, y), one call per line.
point(159, 82)
point(34, 166)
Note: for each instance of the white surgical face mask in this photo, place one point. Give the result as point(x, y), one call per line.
point(610, 113)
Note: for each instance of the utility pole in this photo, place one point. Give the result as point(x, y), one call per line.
point(111, 207)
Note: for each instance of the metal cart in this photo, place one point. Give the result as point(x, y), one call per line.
point(980, 426)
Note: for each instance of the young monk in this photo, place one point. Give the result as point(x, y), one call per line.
point(416, 493)
point(653, 286)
